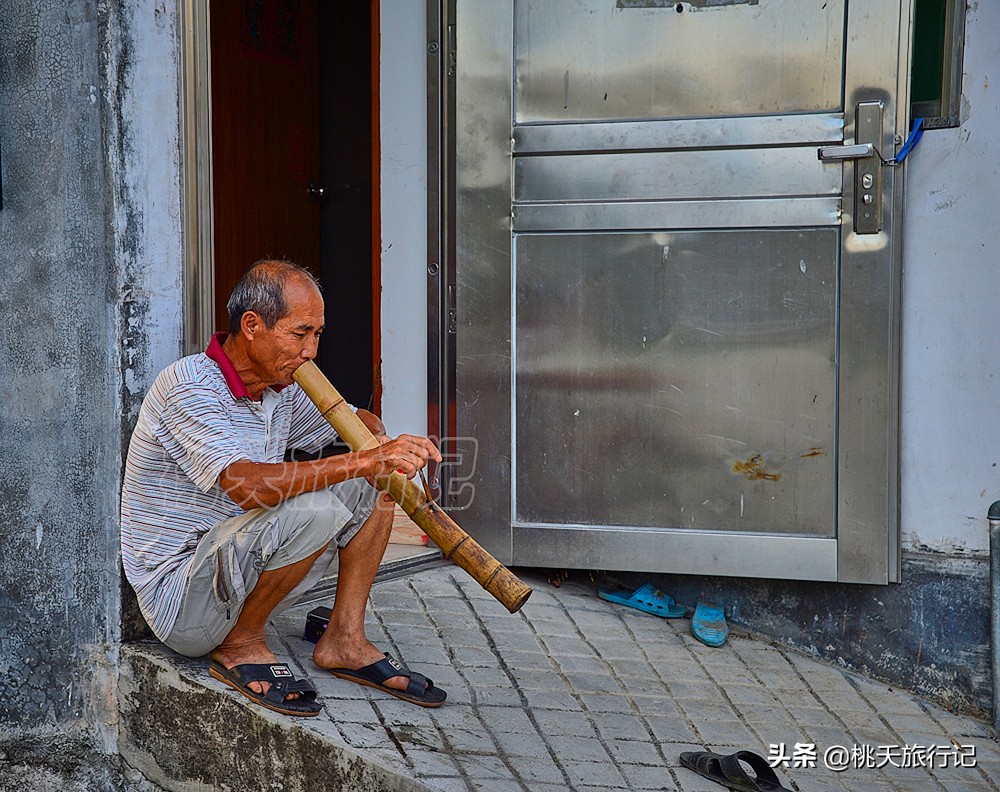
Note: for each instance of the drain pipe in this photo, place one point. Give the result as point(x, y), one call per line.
point(994, 519)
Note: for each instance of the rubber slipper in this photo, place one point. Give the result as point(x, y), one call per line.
point(647, 599)
point(282, 682)
point(419, 689)
point(708, 624)
point(730, 771)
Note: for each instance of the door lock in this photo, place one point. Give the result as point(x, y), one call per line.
point(867, 166)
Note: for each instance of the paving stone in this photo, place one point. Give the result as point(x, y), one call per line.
point(539, 679)
point(538, 773)
point(568, 749)
point(604, 702)
point(643, 686)
point(615, 726)
point(478, 678)
point(497, 697)
point(588, 664)
point(693, 689)
point(711, 708)
point(635, 752)
point(814, 716)
point(656, 705)
point(646, 777)
point(615, 650)
point(553, 723)
point(524, 745)
point(499, 626)
point(485, 767)
point(497, 785)
point(446, 784)
point(418, 738)
point(521, 641)
point(554, 700)
point(558, 646)
point(750, 698)
point(522, 661)
point(396, 712)
point(593, 683)
point(672, 730)
point(428, 763)
point(600, 774)
point(463, 636)
point(728, 732)
point(478, 741)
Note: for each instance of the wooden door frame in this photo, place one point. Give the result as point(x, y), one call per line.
point(197, 215)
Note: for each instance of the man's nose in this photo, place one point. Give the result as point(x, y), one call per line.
point(310, 350)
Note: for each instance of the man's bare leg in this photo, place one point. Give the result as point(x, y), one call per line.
point(246, 643)
point(344, 643)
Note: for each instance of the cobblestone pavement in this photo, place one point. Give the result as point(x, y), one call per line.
point(574, 693)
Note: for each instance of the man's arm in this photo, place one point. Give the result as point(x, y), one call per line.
point(255, 484)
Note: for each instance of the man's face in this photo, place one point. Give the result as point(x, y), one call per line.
point(294, 339)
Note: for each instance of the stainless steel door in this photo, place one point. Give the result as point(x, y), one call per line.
point(676, 346)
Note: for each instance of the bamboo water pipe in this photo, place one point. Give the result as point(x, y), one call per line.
point(455, 543)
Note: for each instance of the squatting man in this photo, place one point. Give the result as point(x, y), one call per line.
point(219, 533)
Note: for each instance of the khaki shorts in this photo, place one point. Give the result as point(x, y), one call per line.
point(232, 554)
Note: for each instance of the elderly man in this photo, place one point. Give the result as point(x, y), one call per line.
point(219, 533)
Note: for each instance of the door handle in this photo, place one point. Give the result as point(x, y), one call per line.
point(859, 151)
point(868, 168)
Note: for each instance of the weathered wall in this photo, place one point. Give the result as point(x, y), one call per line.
point(59, 467)
point(90, 256)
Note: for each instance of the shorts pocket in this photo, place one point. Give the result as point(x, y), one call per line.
point(227, 583)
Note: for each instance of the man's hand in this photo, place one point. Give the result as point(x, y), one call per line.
point(406, 454)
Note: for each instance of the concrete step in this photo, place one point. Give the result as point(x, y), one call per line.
point(186, 734)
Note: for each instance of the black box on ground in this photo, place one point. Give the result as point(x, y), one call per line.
point(316, 621)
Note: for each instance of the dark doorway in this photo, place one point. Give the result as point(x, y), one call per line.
point(292, 163)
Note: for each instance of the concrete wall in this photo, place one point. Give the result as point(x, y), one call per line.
point(950, 384)
point(60, 426)
point(89, 251)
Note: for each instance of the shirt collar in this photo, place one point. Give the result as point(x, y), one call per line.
point(236, 385)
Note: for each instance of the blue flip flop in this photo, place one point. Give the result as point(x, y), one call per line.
point(708, 624)
point(646, 598)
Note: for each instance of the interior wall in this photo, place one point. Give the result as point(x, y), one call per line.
point(403, 130)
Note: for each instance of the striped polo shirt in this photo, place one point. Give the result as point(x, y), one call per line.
point(196, 420)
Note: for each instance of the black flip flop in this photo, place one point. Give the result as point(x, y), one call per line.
point(729, 770)
point(419, 690)
point(282, 682)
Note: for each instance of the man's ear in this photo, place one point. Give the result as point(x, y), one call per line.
point(250, 325)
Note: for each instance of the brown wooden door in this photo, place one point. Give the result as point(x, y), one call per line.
point(265, 136)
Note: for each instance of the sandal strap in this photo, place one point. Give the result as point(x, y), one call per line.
point(765, 777)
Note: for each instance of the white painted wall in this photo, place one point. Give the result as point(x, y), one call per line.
point(403, 111)
point(950, 389)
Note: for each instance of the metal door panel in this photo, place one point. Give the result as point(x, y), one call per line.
point(595, 61)
point(597, 216)
point(676, 379)
point(566, 202)
point(684, 552)
point(680, 133)
point(639, 176)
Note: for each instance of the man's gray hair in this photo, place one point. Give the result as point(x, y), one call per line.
point(262, 290)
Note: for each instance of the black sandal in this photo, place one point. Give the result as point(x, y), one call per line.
point(729, 770)
point(282, 682)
